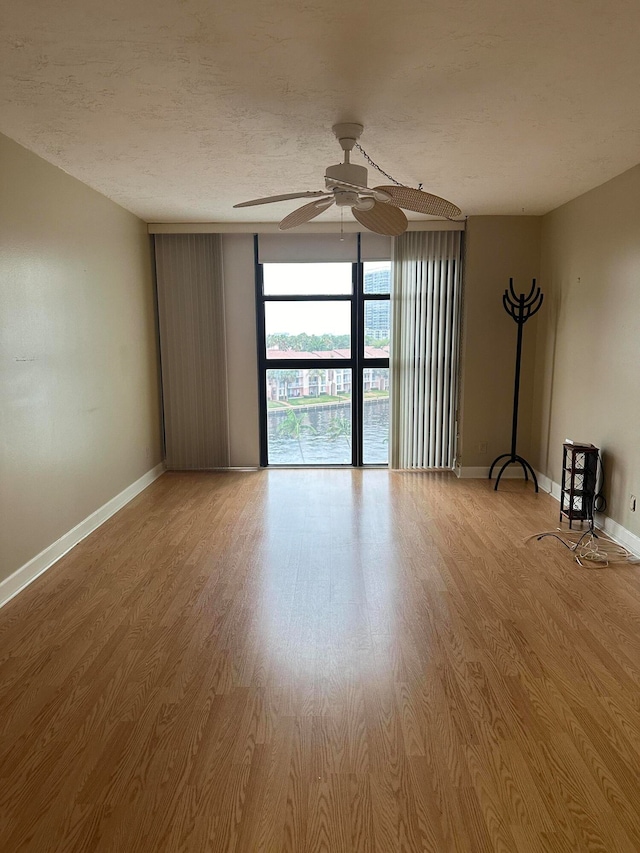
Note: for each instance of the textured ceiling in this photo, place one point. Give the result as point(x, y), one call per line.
point(177, 109)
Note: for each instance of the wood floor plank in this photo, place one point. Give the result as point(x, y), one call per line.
point(332, 660)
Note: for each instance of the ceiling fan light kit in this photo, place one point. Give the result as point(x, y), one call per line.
point(376, 208)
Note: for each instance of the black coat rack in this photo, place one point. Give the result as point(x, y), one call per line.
point(521, 308)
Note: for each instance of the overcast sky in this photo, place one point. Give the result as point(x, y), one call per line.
point(314, 318)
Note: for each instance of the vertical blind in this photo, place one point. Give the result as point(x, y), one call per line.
point(192, 350)
point(425, 306)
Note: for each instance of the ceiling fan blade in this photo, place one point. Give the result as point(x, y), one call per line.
point(305, 213)
point(271, 198)
point(347, 185)
point(383, 219)
point(420, 202)
point(377, 192)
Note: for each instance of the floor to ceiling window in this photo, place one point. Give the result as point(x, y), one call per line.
point(323, 345)
point(376, 328)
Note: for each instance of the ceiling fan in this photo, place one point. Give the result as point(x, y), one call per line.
point(377, 208)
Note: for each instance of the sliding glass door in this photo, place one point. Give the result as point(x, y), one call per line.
point(323, 348)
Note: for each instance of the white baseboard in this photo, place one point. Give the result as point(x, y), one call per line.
point(481, 472)
point(619, 533)
point(614, 530)
point(23, 576)
point(548, 485)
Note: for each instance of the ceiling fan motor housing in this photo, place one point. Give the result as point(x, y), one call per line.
point(346, 198)
point(350, 173)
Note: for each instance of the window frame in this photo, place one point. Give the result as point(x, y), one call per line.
point(357, 363)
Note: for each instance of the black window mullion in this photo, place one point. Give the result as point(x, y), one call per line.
point(375, 362)
point(356, 416)
point(292, 297)
point(262, 352)
point(359, 355)
point(307, 363)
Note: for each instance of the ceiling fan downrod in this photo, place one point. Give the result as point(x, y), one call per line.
point(347, 172)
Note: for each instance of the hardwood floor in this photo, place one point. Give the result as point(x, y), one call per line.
point(312, 661)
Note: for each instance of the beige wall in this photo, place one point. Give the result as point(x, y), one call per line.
point(588, 350)
point(497, 248)
point(79, 419)
point(242, 360)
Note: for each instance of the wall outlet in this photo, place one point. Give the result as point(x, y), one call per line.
point(482, 447)
point(632, 503)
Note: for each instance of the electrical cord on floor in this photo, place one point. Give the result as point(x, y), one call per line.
point(599, 500)
point(590, 550)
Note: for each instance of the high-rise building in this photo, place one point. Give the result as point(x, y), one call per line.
point(377, 312)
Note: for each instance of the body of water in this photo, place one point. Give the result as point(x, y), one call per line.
point(316, 447)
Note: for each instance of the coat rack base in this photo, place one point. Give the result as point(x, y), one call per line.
point(513, 459)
